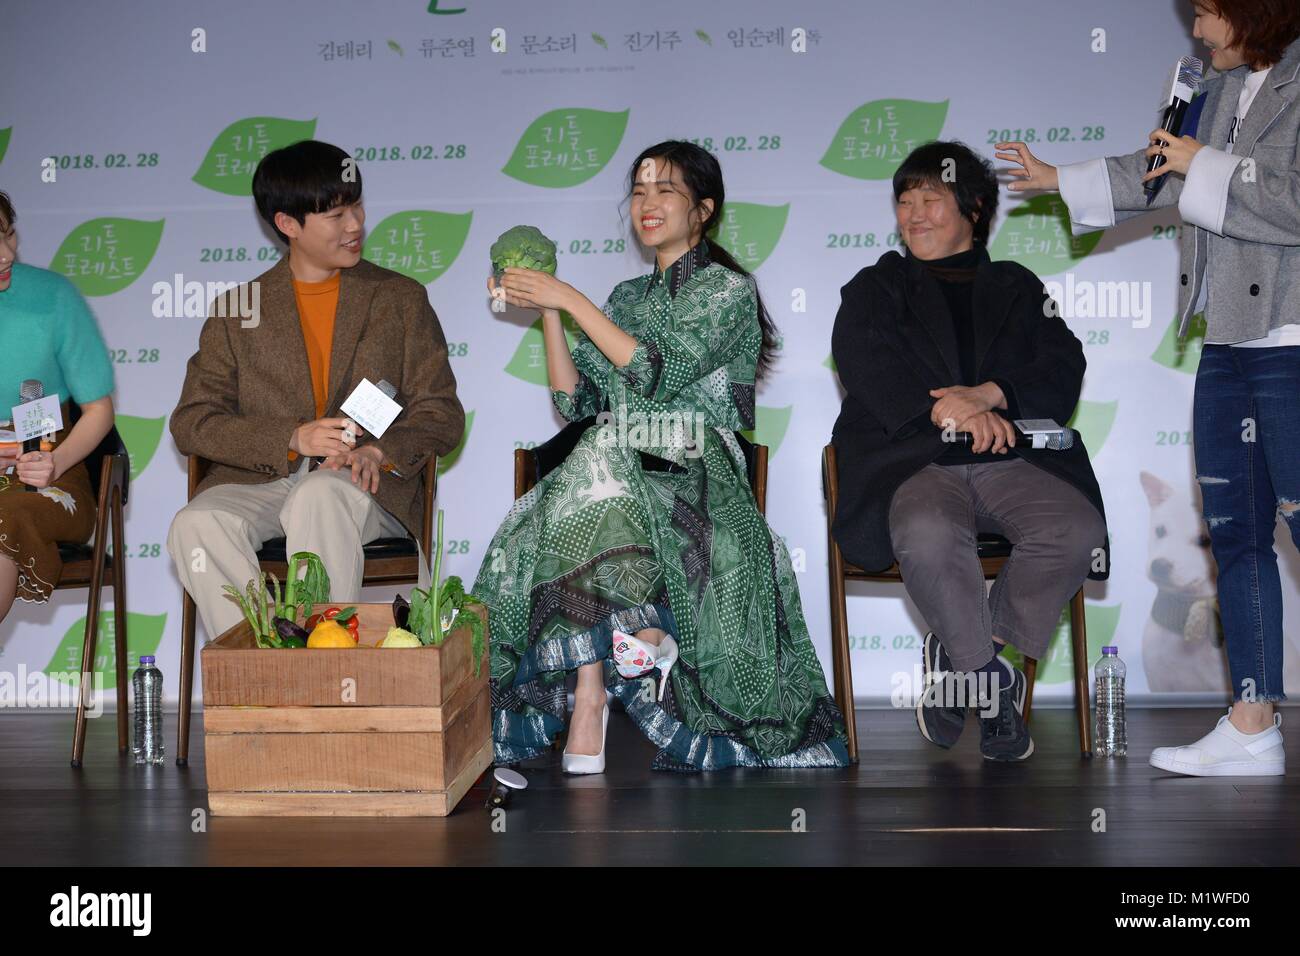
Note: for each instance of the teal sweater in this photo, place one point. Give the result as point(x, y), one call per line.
point(47, 332)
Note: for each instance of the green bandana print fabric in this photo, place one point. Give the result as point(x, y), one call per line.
point(650, 522)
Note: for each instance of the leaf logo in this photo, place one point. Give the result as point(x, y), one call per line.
point(1037, 235)
point(1182, 356)
point(143, 635)
point(750, 231)
point(445, 464)
point(418, 243)
point(1093, 421)
point(1058, 664)
point(529, 361)
point(4, 141)
point(103, 256)
point(234, 154)
point(877, 136)
point(564, 148)
point(141, 436)
point(770, 425)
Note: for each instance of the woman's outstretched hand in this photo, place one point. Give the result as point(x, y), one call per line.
point(531, 289)
point(1033, 172)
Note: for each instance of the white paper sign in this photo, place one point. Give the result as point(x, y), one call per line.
point(371, 409)
point(41, 417)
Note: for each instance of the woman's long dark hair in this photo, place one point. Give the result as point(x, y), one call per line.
point(703, 178)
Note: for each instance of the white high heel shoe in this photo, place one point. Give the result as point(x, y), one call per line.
point(588, 763)
point(633, 657)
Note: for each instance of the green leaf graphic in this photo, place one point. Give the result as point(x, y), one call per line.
point(393, 45)
point(529, 361)
point(750, 231)
point(1093, 420)
point(445, 464)
point(1058, 664)
point(103, 256)
point(140, 435)
point(4, 141)
point(1037, 235)
point(770, 426)
point(877, 136)
point(418, 243)
point(600, 40)
point(1182, 356)
point(143, 635)
point(566, 147)
point(235, 153)
point(830, 364)
point(705, 37)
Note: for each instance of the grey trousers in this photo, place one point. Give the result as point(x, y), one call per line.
point(933, 521)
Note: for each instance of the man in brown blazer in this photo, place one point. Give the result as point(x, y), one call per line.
point(262, 396)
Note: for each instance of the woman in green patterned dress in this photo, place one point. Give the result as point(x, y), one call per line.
point(649, 527)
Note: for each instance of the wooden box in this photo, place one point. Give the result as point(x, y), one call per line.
point(363, 731)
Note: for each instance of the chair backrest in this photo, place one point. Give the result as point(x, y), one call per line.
point(109, 446)
point(830, 479)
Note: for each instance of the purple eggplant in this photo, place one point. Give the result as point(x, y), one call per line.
point(401, 611)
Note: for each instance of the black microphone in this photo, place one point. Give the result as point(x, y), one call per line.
point(1186, 80)
point(30, 390)
point(1060, 439)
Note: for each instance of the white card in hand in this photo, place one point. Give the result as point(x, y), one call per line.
point(371, 409)
point(44, 416)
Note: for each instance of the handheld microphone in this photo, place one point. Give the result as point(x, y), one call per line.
point(1185, 81)
point(30, 390)
point(1045, 433)
point(350, 430)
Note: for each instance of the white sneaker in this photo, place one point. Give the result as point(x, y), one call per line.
point(1226, 752)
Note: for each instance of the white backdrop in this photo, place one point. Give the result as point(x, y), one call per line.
point(458, 142)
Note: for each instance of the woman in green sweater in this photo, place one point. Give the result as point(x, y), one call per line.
point(46, 333)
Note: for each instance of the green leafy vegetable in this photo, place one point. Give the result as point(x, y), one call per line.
point(314, 588)
point(525, 247)
point(433, 612)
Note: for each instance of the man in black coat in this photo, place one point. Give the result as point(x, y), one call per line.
point(931, 347)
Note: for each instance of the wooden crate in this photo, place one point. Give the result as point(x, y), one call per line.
point(364, 731)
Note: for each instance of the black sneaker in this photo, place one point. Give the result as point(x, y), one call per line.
point(1003, 735)
point(937, 714)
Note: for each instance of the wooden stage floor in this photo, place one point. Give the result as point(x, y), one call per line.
point(907, 802)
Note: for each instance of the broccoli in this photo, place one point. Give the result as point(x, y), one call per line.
point(525, 247)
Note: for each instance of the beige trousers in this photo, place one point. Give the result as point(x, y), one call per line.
point(214, 539)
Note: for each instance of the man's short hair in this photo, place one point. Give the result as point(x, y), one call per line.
point(7, 214)
point(304, 178)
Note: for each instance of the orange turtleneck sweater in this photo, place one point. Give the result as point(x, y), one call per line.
point(317, 305)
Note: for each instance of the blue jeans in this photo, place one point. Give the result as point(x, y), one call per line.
point(1246, 421)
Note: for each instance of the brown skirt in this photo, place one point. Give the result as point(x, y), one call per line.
point(32, 522)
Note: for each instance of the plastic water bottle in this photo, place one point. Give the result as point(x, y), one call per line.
point(1111, 738)
point(147, 682)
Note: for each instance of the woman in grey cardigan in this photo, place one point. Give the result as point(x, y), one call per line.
point(1237, 189)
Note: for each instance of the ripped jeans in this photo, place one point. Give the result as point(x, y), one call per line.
point(1246, 429)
